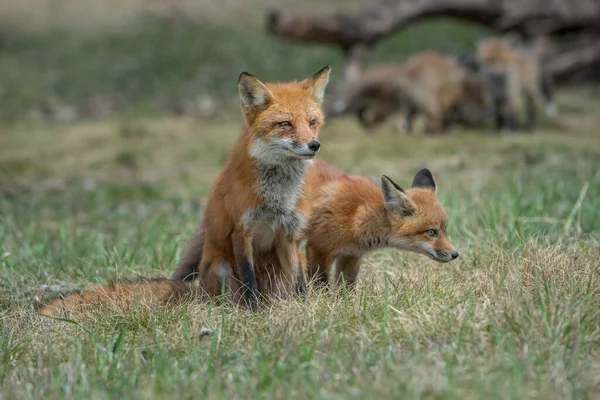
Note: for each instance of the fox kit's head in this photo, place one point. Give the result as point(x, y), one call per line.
point(284, 118)
point(417, 219)
point(494, 55)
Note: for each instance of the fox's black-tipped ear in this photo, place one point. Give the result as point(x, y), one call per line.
point(253, 93)
point(318, 83)
point(394, 197)
point(424, 179)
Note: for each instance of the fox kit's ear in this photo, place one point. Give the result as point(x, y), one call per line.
point(394, 197)
point(318, 82)
point(424, 179)
point(253, 93)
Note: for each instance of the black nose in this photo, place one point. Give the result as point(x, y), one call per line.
point(314, 145)
point(454, 255)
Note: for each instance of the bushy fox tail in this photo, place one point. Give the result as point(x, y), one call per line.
point(139, 291)
point(187, 267)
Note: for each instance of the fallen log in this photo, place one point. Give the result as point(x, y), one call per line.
point(357, 33)
point(528, 17)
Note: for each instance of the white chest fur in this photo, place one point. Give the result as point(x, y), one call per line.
point(280, 186)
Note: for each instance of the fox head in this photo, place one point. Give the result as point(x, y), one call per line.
point(417, 219)
point(495, 56)
point(284, 118)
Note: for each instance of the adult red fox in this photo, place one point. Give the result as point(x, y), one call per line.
point(259, 204)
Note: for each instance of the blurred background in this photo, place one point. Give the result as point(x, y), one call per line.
point(66, 60)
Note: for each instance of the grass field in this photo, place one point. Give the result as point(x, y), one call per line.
point(516, 316)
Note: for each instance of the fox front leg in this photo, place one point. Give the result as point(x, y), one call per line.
point(288, 254)
point(301, 281)
point(244, 267)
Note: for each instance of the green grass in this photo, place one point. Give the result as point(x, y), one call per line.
point(516, 316)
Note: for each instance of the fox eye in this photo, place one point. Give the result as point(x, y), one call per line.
point(283, 124)
point(313, 122)
point(432, 233)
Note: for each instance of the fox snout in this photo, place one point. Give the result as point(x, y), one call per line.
point(307, 150)
point(277, 150)
point(445, 255)
point(314, 145)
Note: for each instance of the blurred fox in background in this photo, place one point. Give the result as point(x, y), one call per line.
point(515, 85)
point(428, 83)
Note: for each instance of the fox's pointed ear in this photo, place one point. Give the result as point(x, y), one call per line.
point(424, 179)
point(318, 83)
point(253, 93)
point(394, 197)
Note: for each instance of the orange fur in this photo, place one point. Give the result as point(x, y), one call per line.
point(248, 242)
point(428, 83)
point(246, 221)
point(143, 291)
point(349, 218)
point(513, 83)
point(352, 216)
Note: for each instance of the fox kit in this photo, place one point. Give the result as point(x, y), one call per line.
point(515, 86)
point(428, 83)
point(353, 215)
point(258, 205)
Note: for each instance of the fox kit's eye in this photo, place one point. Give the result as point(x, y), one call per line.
point(283, 124)
point(313, 122)
point(432, 233)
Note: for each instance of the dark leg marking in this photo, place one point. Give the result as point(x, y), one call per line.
point(250, 284)
point(300, 282)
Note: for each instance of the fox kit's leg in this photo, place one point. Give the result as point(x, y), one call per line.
point(289, 260)
point(533, 102)
point(403, 120)
point(435, 117)
point(547, 92)
point(244, 268)
point(347, 267)
point(508, 115)
point(530, 111)
point(301, 283)
point(500, 115)
point(513, 114)
point(318, 265)
point(516, 97)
